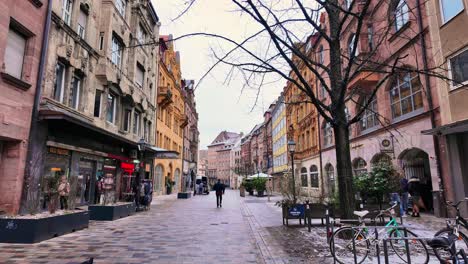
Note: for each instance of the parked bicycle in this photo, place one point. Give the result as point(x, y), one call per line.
point(447, 244)
point(352, 244)
point(452, 236)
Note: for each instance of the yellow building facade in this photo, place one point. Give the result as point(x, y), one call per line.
point(170, 120)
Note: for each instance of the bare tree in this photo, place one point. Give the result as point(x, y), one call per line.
point(348, 48)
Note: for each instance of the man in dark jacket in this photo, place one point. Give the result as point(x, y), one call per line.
point(219, 189)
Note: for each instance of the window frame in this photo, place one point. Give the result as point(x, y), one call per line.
point(100, 103)
point(76, 92)
point(81, 29)
point(121, 6)
point(314, 177)
point(24, 37)
point(62, 84)
point(67, 14)
point(358, 168)
point(116, 54)
point(398, 85)
point(114, 108)
point(399, 13)
point(369, 112)
point(442, 15)
point(140, 68)
point(450, 71)
point(327, 134)
point(136, 123)
point(304, 177)
point(127, 120)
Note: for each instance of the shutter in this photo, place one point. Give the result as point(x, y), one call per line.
point(14, 54)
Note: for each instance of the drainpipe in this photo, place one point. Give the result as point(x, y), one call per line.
point(35, 110)
point(429, 98)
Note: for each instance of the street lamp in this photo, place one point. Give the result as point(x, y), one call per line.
point(140, 174)
point(292, 149)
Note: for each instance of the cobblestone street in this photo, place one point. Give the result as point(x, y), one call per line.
point(245, 230)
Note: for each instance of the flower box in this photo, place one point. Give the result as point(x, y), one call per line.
point(111, 212)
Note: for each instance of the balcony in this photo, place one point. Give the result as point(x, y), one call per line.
point(164, 96)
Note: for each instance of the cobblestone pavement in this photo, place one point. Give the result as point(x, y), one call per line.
point(173, 231)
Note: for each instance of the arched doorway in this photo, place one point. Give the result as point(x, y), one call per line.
point(415, 163)
point(158, 172)
point(176, 180)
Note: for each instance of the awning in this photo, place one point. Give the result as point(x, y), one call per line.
point(164, 153)
point(453, 128)
point(259, 175)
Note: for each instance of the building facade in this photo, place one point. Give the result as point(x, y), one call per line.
point(191, 135)
point(97, 108)
point(171, 119)
point(21, 42)
point(279, 142)
point(235, 164)
point(219, 157)
point(202, 162)
point(447, 20)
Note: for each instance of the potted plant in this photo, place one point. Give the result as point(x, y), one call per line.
point(249, 186)
point(259, 185)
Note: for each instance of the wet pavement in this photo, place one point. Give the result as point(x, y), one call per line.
point(245, 230)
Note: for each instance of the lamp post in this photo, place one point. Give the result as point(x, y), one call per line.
point(140, 174)
point(292, 149)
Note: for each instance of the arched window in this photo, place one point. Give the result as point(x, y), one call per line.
point(351, 44)
point(401, 14)
point(321, 54)
point(330, 171)
point(304, 177)
point(406, 94)
point(369, 117)
point(381, 158)
point(314, 176)
point(327, 135)
point(359, 166)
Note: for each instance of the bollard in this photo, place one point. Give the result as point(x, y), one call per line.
point(327, 222)
point(406, 245)
point(309, 220)
point(385, 250)
point(377, 248)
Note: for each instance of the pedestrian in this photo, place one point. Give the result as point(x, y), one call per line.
point(64, 191)
point(219, 189)
point(414, 188)
point(200, 188)
point(404, 195)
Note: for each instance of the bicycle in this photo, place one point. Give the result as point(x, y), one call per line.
point(351, 243)
point(448, 245)
point(453, 228)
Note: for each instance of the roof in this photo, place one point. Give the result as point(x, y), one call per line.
point(225, 137)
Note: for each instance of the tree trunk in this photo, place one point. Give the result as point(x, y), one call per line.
point(344, 170)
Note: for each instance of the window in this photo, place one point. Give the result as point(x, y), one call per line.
point(330, 171)
point(406, 94)
point(101, 40)
point(121, 5)
point(127, 120)
point(359, 167)
point(97, 103)
point(67, 6)
point(136, 123)
point(401, 15)
point(139, 75)
point(450, 8)
point(370, 36)
point(304, 182)
point(82, 20)
point(351, 43)
point(369, 117)
point(59, 82)
point(314, 176)
point(111, 108)
point(321, 55)
point(381, 158)
point(459, 68)
point(348, 4)
point(327, 135)
point(116, 51)
point(75, 92)
point(141, 34)
point(14, 53)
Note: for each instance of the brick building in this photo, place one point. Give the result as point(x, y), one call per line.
point(21, 42)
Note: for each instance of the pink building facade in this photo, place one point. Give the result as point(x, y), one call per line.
point(219, 157)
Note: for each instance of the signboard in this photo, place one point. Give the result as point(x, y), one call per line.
point(59, 151)
point(297, 211)
point(386, 146)
point(167, 155)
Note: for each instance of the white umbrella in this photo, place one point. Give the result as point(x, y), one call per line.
point(259, 175)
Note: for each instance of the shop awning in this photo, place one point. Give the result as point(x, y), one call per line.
point(457, 127)
point(161, 153)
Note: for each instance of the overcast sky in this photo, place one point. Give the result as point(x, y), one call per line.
point(221, 105)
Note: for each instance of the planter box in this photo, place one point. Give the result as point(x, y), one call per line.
point(184, 195)
point(111, 212)
point(27, 231)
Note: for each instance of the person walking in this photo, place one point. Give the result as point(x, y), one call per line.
point(64, 191)
point(414, 188)
point(404, 195)
point(219, 189)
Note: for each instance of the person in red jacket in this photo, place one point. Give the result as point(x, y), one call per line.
point(219, 189)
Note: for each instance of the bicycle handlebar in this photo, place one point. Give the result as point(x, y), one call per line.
point(455, 205)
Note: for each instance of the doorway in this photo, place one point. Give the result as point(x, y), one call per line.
point(86, 182)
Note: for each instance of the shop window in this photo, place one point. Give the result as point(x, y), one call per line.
point(127, 120)
point(59, 85)
point(304, 182)
point(75, 92)
point(67, 7)
point(401, 14)
point(369, 117)
point(117, 51)
point(450, 8)
point(136, 123)
point(459, 69)
point(111, 108)
point(406, 94)
point(14, 53)
point(82, 21)
point(314, 176)
point(97, 103)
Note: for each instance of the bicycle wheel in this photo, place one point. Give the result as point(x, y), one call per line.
point(461, 243)
point(341, 245)
point(417, 249)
